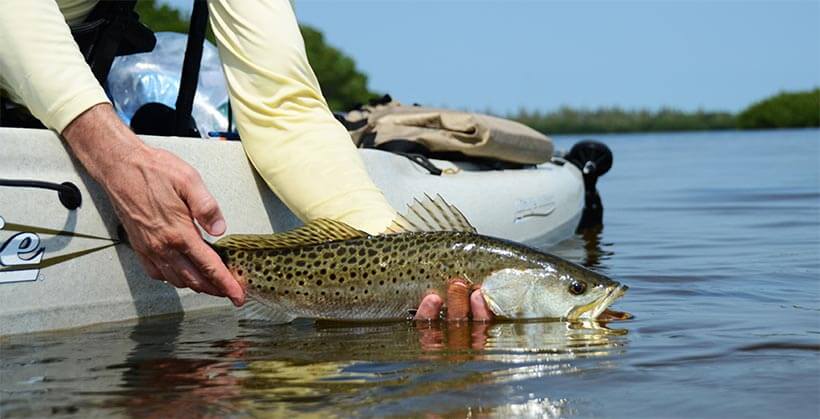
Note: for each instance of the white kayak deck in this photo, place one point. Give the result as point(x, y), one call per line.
point(538, 206)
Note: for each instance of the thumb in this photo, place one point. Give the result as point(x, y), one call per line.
point(204, 208)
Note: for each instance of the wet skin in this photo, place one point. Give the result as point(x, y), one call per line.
point(462, 303)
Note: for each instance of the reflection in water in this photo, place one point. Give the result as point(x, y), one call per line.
point(586, 248)
point(210, 365)
point(304, 368)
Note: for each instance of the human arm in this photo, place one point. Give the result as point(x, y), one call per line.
point(154, 193)
point(156, 197)
point(304, 155)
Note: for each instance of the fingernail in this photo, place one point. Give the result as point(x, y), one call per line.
point(218, 227)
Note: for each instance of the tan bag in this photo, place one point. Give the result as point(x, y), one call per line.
point(446, 133)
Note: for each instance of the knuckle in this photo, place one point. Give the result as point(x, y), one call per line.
point(206, 204)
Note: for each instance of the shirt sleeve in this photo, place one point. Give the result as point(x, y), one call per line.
point(290, 135)
point(41, 66)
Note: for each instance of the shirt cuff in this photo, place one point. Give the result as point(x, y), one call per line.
point(63, 113)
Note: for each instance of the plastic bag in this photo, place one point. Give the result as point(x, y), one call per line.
point(154, 76)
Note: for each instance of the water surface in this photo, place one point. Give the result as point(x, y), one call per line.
point(717, 234)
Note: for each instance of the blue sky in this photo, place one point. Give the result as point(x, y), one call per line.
point(504, 55)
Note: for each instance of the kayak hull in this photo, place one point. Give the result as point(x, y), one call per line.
point(539, 206)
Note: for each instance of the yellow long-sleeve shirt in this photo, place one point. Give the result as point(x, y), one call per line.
point(287, 129)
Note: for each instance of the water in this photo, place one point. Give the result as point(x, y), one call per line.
point(717, 235)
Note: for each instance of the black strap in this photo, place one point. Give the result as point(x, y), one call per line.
point(190, 67)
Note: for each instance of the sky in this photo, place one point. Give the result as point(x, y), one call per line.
point(502, 56)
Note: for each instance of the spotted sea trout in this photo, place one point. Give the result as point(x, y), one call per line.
point(329, 270)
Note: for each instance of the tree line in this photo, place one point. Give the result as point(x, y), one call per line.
point(784, 110)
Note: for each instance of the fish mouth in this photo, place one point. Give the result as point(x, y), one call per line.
point(594, 309)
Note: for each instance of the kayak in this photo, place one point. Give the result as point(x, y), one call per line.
point(63, 265)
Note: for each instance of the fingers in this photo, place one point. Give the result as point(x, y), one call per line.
point(150, 268)
point(212, 270)
point(430, 308)
point(479, 307)
point(202, 204)
point(461, 303)
point(191, 276)
point(169, 275)
point(458, 304)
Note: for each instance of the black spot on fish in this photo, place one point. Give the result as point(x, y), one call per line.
point(319, 282)
point(332, 277)
point(301, 283)
point(362, 251)
point(323, 272)
point(327, 255)
point(300, 263)
point(381, 282)
point(288, 261)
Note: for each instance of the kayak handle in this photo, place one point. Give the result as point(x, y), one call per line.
point(69, 194)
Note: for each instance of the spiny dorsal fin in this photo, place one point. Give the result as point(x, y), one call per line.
point(431, 214)
point(319, 231)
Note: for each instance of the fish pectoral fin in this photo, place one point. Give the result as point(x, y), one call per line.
point(429, 214)
point(322, 230)
point(256, 310)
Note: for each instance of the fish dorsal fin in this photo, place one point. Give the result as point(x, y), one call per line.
point(318, 231)
point(429, 214)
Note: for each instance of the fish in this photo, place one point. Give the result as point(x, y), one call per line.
point(328, 270)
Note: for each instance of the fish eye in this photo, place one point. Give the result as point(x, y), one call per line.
point(577, 287)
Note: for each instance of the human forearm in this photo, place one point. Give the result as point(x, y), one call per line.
point(101, 142)
point(291, 137)
point(41, 66)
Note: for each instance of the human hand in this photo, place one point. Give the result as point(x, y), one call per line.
point(461, 302)
point(156, 196)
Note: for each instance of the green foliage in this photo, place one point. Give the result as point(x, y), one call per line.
point(607, 120)
point(343, 85)
point(785, 110)
point(161, 18)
